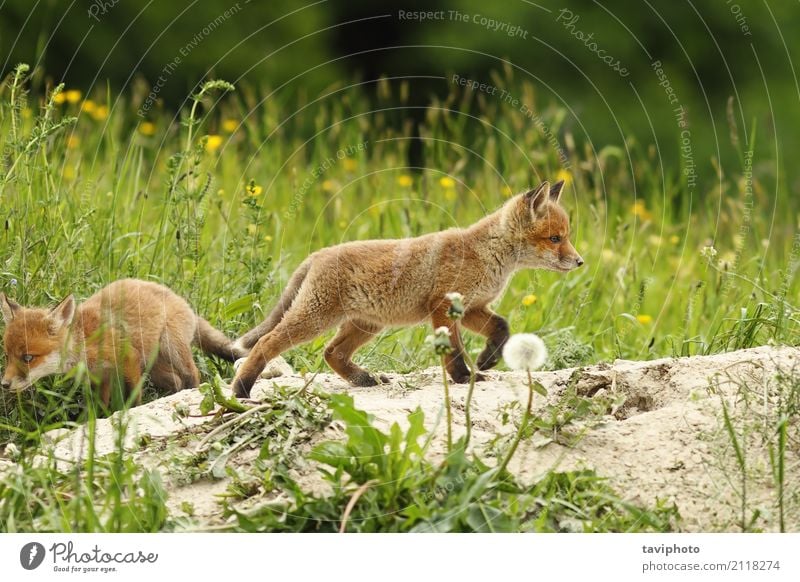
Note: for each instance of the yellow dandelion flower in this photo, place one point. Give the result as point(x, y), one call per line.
point(507, 191)
point(607, 255)
point(342, 224)
point(59, 99)
point(447, 182)
point(350, 164)
point(640, 210)
point(213, 142)
point(68, 173)
point(404, 180)
point(72, 96)
point(328, 185)
point(564, 175)
point(252, 228)
point(529, 300)
point(253, 189)
point(230, 125)
point(147, 128)
point(89, 106)
point(644, 319)
point(101, 112)
point(221, 192)
point(674, 239)
point(73, 142)
point(268, 238)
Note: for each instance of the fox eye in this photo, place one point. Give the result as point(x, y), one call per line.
point(555, 238)
point(27, 358)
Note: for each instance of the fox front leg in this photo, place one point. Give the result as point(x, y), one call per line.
point(490, 325)
point(454, 361)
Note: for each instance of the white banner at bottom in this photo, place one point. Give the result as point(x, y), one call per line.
point(401, 557)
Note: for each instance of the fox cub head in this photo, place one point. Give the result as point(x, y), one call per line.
point(34, 341)
point(543, 226)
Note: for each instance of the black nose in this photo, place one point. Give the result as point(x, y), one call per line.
point(579, 261)
point(5, 384)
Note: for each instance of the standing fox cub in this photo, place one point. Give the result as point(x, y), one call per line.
point(367, 285)
point(121, 331)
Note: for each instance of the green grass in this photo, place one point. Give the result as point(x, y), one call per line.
point(767, 420)
point(386, 484)
point(223, 201)
point(97, 200)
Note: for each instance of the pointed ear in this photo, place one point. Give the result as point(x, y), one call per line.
point(555, 191)
point(536, 198)
point(61, 315)
point(8, 307)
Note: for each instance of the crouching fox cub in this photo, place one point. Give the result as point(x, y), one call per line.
point(367, 285)
point(121, 332)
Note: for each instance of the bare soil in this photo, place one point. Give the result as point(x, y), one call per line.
point(660, 439)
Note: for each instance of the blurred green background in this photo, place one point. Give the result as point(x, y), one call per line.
point(710, 50)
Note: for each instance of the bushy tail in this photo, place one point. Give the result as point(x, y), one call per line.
point(212, 341)
point(248, 340)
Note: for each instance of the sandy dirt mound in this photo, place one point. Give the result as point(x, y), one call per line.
point(655, 431)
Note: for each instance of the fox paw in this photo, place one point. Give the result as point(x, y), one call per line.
point(364, 379)
point(274, 368)
point(489, 357)
point(464, 379)
point(239, 389)
point(486, 361)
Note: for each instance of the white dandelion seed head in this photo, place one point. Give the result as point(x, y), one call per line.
point(442, 330)
point(454, 296)
point(708, 252)
point(525, 351)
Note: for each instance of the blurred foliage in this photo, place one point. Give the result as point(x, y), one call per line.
point(711, 50)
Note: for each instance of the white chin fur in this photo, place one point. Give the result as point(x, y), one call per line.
point(50, 365)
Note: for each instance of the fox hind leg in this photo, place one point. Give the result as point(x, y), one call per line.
point(295, 328)
point(165, 377)
point(168, 375)
point(339, 352)
point(174, 368)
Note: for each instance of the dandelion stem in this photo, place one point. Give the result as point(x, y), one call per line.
point(447, 407)
point(522, 426)
point(468, 403)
